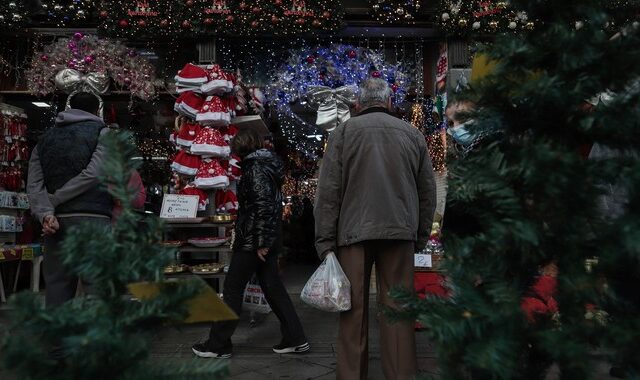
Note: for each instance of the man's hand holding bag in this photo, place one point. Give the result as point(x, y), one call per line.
point(328, 289)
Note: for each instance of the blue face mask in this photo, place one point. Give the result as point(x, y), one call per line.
point(461, 134)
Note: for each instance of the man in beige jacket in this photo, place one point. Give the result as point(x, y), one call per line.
point(375, 204)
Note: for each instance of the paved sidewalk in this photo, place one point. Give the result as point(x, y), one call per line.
point(253, 358)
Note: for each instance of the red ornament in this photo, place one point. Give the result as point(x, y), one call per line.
point(230, 19)
point(352, 54)
point(123, 23)
point(326, 14)
point(394, 88)
point(104, 14)
point(277, 2)
point(275, 20)
point(311, 59)
point(164, 23)
point(243, 6)
point(142, 23)
point(189, 3)
point(376, 74)
point(44, 58)
point(316, 23)
point(256, 10)
point(255, 24)
point(300, 21)
point(321, 76)
point(186, 24)
point(208, 21)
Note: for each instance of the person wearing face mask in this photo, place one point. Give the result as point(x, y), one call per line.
point(460, 130)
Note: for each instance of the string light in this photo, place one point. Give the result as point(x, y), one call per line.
point(395, 11)
point(65, 13)
point(12, 14)
point(480, 17)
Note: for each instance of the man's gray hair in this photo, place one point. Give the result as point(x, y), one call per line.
point(374, 92)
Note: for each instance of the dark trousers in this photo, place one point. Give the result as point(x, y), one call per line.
point(61, 284)
point(394, 267)
point(243, 265)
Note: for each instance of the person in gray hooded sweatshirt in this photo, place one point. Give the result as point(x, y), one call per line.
point(64, 188)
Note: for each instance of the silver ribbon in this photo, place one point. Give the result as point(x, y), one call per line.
point(70, 80)
point(73, 82)
point(334, 105)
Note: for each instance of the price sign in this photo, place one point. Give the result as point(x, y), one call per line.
point(422, 260)
point(179, 206)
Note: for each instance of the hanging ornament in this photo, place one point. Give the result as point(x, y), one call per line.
point(311, 59)
point(123, 23)
point(352, 54)
point(394, 11)
point(376, 74)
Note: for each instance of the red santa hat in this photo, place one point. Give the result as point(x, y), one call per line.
point(185, 163)
point(234, 171)
point(188, 134)
point(258, 100)
point(226, 201)
point(214, 112)
point(229, 132)
point(217, 83)
point(191, 75)
point(192, 190)
point(210, 175)
point(188, 104)
point(210, 142)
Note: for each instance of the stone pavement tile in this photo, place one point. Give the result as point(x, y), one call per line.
point(250, 376)
point(295, 369)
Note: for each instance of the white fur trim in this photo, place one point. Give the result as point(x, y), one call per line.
point(183, 169)
point(218, 85)
point(210, 150)
point(214, 118)
point(183, 142)
point(189, 81)
point(188, 109)
point(218, 182)
point(180, 90)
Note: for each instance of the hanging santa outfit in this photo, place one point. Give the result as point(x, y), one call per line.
point(226, 201)
point(188, 133)
point(214, 112)
point(211, 175)
point(190, 78)
point(188, 104)
point(210, 142)
point(218, 82)
point(203, 198)
point(185, 163)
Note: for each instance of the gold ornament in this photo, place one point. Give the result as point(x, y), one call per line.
point(529, 25)
point(462, 22)
point(502, 5)
point(493, 24)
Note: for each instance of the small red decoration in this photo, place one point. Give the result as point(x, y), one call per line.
point(186, 24)
point(394, 88)
point(316, 23)
point(230, 19)
point(142, 23)
point(300, 21)
point(376, 74)
point(275, 20)
point(311, 59)
point(277, 2)
point(326, 14)
point(208, 21)
point(256, 10)
point(352, 54)
point(104, 14)
point(123, 23)
point(164, 23)
point(243, 6)
point(255, 24)
point(189, 3)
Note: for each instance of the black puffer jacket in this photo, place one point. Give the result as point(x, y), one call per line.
point(260, 198)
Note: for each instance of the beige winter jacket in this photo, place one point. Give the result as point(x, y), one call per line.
point(376, 183)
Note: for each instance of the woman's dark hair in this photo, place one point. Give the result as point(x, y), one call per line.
point(246, 142)
point(85, 101)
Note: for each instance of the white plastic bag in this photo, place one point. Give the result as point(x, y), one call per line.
point(254, 299)
point(328, 289)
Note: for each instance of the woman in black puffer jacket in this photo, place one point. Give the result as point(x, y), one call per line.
point(256, 236)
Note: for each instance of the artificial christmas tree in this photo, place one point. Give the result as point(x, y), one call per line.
point(106, 335)
point(528, 199)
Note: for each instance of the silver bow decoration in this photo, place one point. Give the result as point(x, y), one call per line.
point(70, 80)
point(333, 104)
point(73, 82)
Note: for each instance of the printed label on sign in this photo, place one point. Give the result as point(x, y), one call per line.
point(27, 254)
point(179, 206)
point(422, 260)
